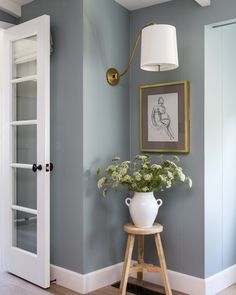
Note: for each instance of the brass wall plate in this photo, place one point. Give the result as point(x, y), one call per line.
point(113, 76)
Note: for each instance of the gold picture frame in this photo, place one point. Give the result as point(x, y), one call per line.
point(164, 117)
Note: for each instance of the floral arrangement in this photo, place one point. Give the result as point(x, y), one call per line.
point(142, 175)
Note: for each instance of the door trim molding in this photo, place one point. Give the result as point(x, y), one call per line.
point(2, 227)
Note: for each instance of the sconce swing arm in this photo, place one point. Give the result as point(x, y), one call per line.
point(113, 76)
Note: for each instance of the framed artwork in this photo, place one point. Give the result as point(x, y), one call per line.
point(164, 117)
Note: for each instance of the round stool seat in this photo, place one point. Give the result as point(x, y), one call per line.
point(132, 229)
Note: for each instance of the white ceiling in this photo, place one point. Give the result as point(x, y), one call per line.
point(137, 4)
point(22, 2)
point(14, 6)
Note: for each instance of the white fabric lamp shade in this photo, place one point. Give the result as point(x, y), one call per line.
point(159, 50)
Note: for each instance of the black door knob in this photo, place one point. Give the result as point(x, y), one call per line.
point(35, 168)
point(49, 167)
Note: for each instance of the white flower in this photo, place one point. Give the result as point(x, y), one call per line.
point(111, 168)
point(101, 182)
point(141, 175)
point(189, 182)
point(179, 169)
point(123, 170)
point(104, 192)
point(116, 176)
point(162, 178)
point(127, 178)
point(138, 176)
point(126, 163)
point(145, 166)
point(147, 177)
point(115, 159)
point(168, 184)
point(176, 158)
point(145, 189)
point(170, 175)
point(142, 158)
point(156, 167)
point(182, 177)
point(171, 163)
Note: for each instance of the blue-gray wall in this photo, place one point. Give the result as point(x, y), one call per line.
point(91, 122)
point(89, 125)
point(106, 128)
point(183, 210)
point(66, 128)
point(5, 17)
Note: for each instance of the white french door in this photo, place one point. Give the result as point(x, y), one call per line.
point(26, 150)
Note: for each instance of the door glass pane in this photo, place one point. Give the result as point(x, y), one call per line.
point(25, 144)
point(24, 57)
point(25, 188)
point(25, 101)
point(25, 231)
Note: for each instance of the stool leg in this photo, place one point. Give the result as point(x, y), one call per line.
point(140, 257)
point(163, 264)
point(126, 267)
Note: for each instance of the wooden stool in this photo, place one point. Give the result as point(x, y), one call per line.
point(142, 267)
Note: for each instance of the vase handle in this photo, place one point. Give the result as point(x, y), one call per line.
point(159, 202)
point(128, 201)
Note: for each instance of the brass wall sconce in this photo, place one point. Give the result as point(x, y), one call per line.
point(158, 51)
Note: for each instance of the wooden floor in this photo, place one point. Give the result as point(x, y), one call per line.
point(11, 285)
point(229, 291)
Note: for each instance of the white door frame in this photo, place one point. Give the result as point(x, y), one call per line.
point(32, 267)
point(3, 26)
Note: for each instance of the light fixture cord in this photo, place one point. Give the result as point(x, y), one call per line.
point(135, 47)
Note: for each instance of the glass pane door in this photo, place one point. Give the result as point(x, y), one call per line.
point(24, 57)
point(24, 133)
point(27, 51)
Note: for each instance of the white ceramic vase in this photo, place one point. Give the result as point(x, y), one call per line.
point(143, 208)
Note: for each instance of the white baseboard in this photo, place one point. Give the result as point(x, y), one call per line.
point(107, 276)
point(89, 282)
point(220, 281)
point(179, 282)
point(196, 286)
point(68, 279)
point(103, 277)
